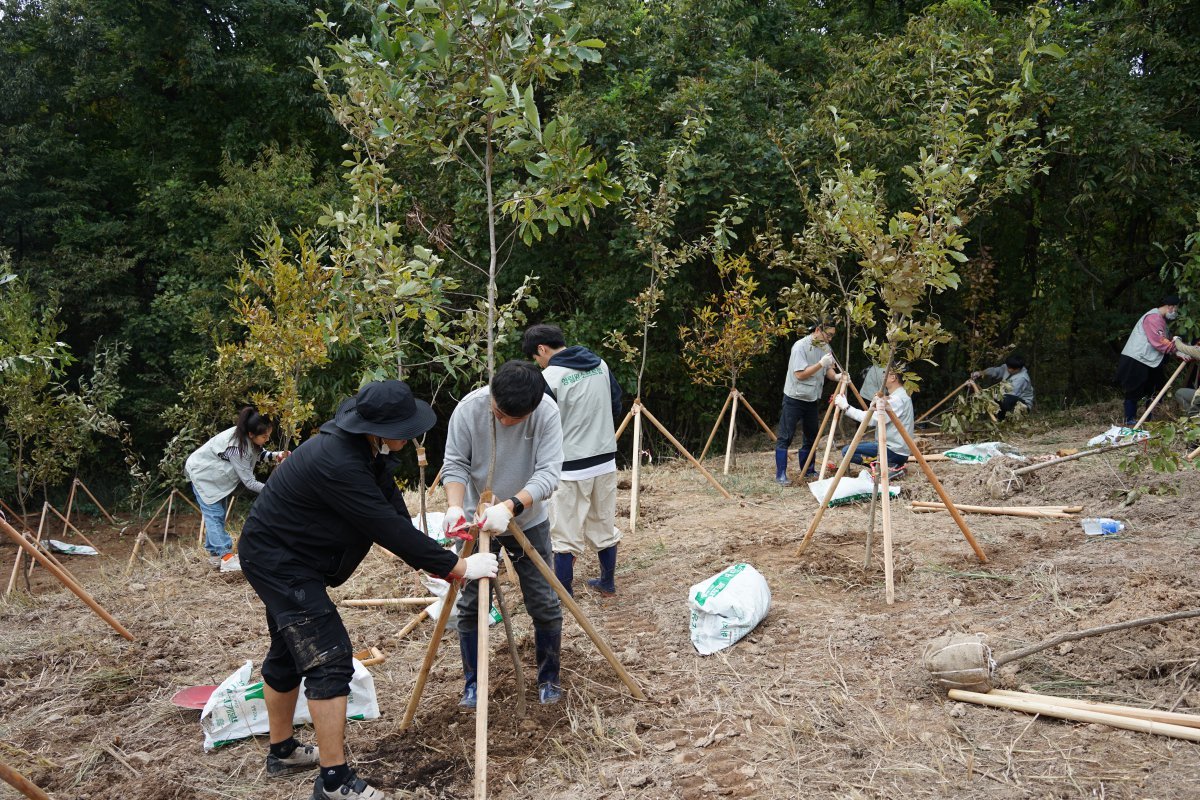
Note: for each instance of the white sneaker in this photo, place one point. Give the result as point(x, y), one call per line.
point(214, 562)
point(354, 789)
point(230, 563)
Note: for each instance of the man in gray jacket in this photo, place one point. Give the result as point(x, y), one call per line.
point(1020, 385)
point(528, 457)
point(584, 509)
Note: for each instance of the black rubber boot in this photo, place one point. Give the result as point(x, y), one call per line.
point(468, 645)
point(564, 570)
point(606, 583)
point(548, 647)
point(781, 468)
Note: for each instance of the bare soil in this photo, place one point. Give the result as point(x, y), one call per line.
point(826, 698)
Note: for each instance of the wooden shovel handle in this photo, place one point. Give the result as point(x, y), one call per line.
point(1005, 658)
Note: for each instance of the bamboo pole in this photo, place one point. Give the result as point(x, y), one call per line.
point(1108, 448)
point(624, 422)
point(568, 601)
point(757, 418)
point(716, 425)
point(1154, 715)
point(1005, 511)
point(12, 579)
point(937, 486)
point(885, 499)
point(684, 451)
point(70, 505)
point(518, 671)
point(812, 451)
point(63, 578)
point(56, 513)
point(871, 522)
point(944, 400)
point(1192, 456)
point(412, 624)
point(932, 457)
point(837, 416)
point(481, 675)
point(1154, 403)
point(167, 522)
point(837, 477)
point(388, 601)
point(1076, 714)
point(635, 477)
point(21, 783)
point(99, 505)
point(730, 438)
point(434, 640)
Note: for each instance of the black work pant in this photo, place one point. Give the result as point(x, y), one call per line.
point(807, 414)
point(541, 601)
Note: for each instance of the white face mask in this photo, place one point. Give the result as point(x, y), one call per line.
point(1172, 315)
point(383, 448)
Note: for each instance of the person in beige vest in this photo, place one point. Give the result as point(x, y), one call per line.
point(1139, 371)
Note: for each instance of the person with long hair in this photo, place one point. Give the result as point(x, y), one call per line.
point(215, 470)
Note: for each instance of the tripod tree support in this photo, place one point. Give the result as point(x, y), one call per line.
point(716, 425)
point(885, 498)
point(945, 400)
point(837, 477)
point(16, 570)
point(684, 451)
point(837, 416)
point(481, 676)
point(754, 414)
point(63, 578)
point(812, 452)
point(729, 438)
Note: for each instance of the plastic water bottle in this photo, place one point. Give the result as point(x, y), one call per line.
point(1100, 526)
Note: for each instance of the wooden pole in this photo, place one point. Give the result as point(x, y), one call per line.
point(885, 498)
point(812, 452)
point(481, 673)
point(56, 513)
point(624, 422)
point(6, 509)
point(63, 578)
point(518, 671)
point(388, 601)
point(434, 484)
point(837, 478)
point(871, 522)
point(1031, 513)
point(1105, 449)
point(937, 486)
point(70, 505)
point(1154, 403)
point(99, 505)
point(1192, 456)
point(1073, 636)
point(12, 579)
point(21, 783)
point(431, 651)
point(944, 400)
point(757, 418)
point(568, 601)
point(167, 522)
point(413, 623)
point(1076, 714)
point(1154, 715)
point(716, 425)
point(730, 438)
point(837, 415)
point(635, 477)
point(684, 451)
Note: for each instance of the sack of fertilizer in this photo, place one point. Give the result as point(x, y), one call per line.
point(982, 453)
point(237, 710)
point(726, 607)
point(849, 490)
point(1117, 434)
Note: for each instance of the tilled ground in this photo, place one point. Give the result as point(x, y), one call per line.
point(826, 698)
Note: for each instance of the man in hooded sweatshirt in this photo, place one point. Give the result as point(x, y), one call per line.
point(1013, 371)
point(583, 511)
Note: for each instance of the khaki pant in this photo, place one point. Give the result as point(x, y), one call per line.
point(583, 515)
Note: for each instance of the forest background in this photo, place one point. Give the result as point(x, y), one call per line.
point(182, 191)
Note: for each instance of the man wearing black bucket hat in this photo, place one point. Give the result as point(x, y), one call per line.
point(310, 528)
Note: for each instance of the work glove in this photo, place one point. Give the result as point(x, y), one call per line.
point(840, 401)
point(496, 518)
point(481, 565)
point(454, 521)
point(827, 360)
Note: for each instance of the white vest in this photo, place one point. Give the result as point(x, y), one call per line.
point(1138, 347)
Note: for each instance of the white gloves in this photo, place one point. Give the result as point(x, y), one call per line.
point(840, 401)
point(454, 519)
point(481, 565)
point(827, 360)
point(496, 518)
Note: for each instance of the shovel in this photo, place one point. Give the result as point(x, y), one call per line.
point(964, 661)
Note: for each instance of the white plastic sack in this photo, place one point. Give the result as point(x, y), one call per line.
point(71, 549)
point(1117, 434)
point(982, 453)
point(849, 490)
point(727, 606)
point(237, 710)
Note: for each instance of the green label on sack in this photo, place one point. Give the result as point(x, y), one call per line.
point(495, 615)
point(719, 583)
point(254, 692)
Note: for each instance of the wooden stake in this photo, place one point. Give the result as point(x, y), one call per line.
point(568, 601)
point(63, 578)
point(21, 783)
point(388, 601)
point(812, 451)
point(1006, 511)
point(1154, 715)
point(481, 675)
point(413, 623)
point(837, 415)
point(434, 484)
point(624, 422)
point(99, 505)
point(12, 579)
point(170, 508)
point(730, 438)
point(757, 418)
point(1192, 456)
point(945, 399)
point(14, 516)
point(871, 523)
point(1076, 714)
point(1108, 448)
point(635, 477)
point(937, 486)
point(56, 513)
point(1150, 408)
point(716, 425)
point(371, 657)
point(684, 451)
point(518, 670)
point(885, 498)
point(434, 640)
point(837, 478)
point(70, 505)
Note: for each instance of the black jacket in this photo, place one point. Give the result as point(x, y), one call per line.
point(324, 507)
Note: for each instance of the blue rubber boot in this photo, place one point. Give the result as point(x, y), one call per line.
point(564, 570)
point(801, 457)
point(781, 468)
point(606, 584)
point(548, 647)
point(1130, 412)
point(468, 645)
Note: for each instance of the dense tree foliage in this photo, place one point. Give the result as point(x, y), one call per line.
point(152, 152)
